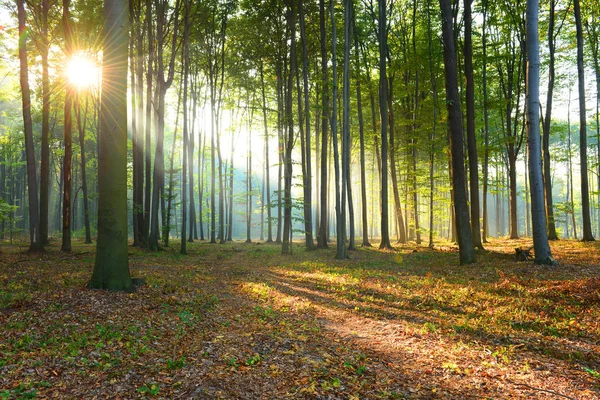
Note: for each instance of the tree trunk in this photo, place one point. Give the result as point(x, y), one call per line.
point(361, 130)
point(471, 136)
point(111, 270)
point(148, 126)
point(45, 150)
point(486, 156)
point(538, 213)
point(322, 236)
point(286, 247)
point(82, 128)
point(465, 238)
point(34, 225)
point(432, 135)
point(267, 164)
point(585, 196)
point(385, 234)
point(185, 154)
point(68, 132)
point(552, 235)
point(308, 224)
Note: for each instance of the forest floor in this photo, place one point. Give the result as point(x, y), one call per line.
point(241, 321)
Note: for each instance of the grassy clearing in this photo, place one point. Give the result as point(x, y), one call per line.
point(241, 321)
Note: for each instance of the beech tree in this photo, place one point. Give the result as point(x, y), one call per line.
point(463, 228)
point(538, 211)
point(34, 224)
point(111, 270)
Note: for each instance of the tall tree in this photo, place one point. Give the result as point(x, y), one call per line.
point(111, 270)
point(185, 155)
point(34, 223)
point(463, 228)
point(164, 79)
point(286, 247)
point(68, 134)
point(307, 184)
point(538, 212)
point(486, 123)
point(323, 226)
point(361, 130)
point(585, 196)
point(383, 104)
point(81, 127)
point(471, 137)
point(552, 235)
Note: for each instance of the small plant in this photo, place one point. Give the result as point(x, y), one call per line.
point(593, 373)
point(255, 359)
point(430, 327)
point(176, 364)
point(149, 388)
point(232, 362)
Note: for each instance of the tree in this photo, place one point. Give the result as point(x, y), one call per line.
point(383, 104)
point(463, 228)
point(68, 135)
point(538, 212)
point(585, 196)
point(308, 230)
point(471, 139)
point(34, 223)
point(164, 79)
point(323, 226)
point(552, 235)
point(111, 270)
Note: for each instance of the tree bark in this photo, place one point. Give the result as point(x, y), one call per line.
point(552, 235)
point(68, 134)
point(385, 235)
point(465, 238)
point(34, 225)
point(322, 236)
point(308, 224)
point(585, 196)
point(538, 212)
point(111, 269)
point(471, 136)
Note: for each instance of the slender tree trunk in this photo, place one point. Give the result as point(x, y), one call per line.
point(471, 137)
point(486, 156)
point(45, 150)
point(552, 235)
point(393, 167)
point(148, 126)
point(286, 247)
point(323, 225)
point(34, 225)
point(249, 181)
point(308, 223)
point(465, 238)
point(185, 151)
point(432, 135)
point(171, 186)
point(385, 235)
point(267, 164)
point(82, 128)
point(538, 212)
point(585, 196)
point(570, 172)
point(68, 133)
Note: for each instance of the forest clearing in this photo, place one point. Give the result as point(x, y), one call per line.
point(243, 321)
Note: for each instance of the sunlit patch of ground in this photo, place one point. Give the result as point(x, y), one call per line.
point(242, 321)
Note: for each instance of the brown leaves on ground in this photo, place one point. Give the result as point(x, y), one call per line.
point(240, 321)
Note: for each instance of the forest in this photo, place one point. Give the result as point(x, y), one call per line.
point(288, 199)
